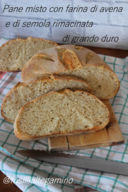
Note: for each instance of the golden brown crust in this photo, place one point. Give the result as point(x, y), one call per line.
point(69, 58)
point(87, 56)
point(83, 57)
point(65, 57)
point(26, 136)
point(21, 39)
point(96, 61)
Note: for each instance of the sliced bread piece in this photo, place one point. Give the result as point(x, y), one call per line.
point(76, 61)
point(22, 93)
point(15, 53)
point(61, 113)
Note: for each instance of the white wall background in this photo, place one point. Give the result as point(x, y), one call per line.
point(112, 24)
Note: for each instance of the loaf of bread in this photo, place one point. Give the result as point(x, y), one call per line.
point(61, 113)
point(22, 93)
point(15, 53)
point(76, 61)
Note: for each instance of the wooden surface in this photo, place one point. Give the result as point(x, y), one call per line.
point(110, 52)
point(111, 135)
point(105, 51)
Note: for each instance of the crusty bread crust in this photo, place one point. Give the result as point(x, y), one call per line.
point(47, 78)
point(85, 58)
point(25, 136)
point(60, 60)
point(24, 40)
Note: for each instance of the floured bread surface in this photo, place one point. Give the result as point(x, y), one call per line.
point(51, 61)
point(76, 61)
point(22, 93)
point(60, 113)
point(15, 53)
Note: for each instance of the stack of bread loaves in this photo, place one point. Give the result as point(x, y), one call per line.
point(62, 89)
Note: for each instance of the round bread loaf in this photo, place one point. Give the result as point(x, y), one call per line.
point(76, 61)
